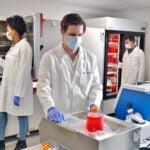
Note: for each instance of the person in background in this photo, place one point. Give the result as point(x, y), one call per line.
point(16, 96)
point(68, 78)
point(133, 65)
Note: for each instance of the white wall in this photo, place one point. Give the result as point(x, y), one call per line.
point(51, 10)
point(142, 15)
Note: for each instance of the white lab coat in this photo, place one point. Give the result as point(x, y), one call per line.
point(133, 67)
point(17, 80)
point(69, 86)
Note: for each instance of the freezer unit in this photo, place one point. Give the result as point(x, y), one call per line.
point(114, 50)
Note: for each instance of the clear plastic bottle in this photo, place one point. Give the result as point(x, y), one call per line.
point(130, 112)
point(94, 120)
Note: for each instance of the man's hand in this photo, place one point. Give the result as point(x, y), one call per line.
point(93, 106)
point(55, 115)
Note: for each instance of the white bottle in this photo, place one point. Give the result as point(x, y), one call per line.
point(130, 113)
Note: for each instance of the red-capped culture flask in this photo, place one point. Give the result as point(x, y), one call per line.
point(94, 120)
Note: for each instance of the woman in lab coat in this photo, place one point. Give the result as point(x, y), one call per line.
point(16, 88)
point(133, 66)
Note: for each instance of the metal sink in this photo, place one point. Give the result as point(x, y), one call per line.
point(112, 126)
point(73, 134)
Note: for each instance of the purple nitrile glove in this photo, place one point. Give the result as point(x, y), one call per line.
point(55, 115)
point(92, 105)
point(16, 100)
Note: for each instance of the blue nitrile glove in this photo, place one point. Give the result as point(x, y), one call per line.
point(55, 115)
point(16, 100)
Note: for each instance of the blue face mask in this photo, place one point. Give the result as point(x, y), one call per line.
point(74, 42)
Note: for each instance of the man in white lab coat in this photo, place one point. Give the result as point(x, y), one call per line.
point(133, 66)
point(68, 78)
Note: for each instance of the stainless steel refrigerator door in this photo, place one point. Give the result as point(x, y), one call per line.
point(33, 23)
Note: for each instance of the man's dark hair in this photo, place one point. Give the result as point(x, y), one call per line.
point(72, 19)
point(129, 37)
point(17, 23)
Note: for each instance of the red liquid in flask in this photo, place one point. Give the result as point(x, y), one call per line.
point(94, 121)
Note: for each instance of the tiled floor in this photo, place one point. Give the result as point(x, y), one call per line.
point(33, 139)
